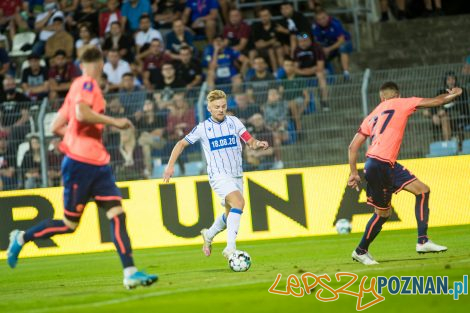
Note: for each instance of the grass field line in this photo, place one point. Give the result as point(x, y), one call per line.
point(199, 288)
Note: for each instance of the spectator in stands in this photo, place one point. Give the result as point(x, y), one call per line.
point(259, 159)
point(180, 120)
point(68, 6)
point(221, 63)
point(293, 24)
point(145, 35)
point(384, 9)
point(259, 83)
point(275, 113)
point(14, 107)
point(35, 81)
point(4, 64)
point(85, 13)
point(178, 38)
point(313, 4)
point(61, 75)
point(87, 38)
point(153, 62)
point(10, 17)
point(131, 12)
point(310, 62)
point(61, 40)
point(114, 69)
point(108, 17)
point(54, 161)
point(202, 15)
point(43, 25)
point(237, 32)
point(188, 69)
point(7, 164)
point(167, 83)
point(130, 158)
point(244, 110)
point(131, 95)
point(112, 137)
point(334, 39)
point(119, 41)
point(151, 127)
point(31, 165)
point(294, 90)
point(466, 72)
point(167, 12)
point(269, 39)
point(454, 116)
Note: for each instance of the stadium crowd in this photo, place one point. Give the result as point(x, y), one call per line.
point(157, 55)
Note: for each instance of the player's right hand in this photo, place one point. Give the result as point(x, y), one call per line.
point(455, 91)
point(169, 171)
point(354, 181)
point(122, 123)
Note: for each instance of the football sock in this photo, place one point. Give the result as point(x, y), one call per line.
point(233, 223)
point(46, 229)
point(219, 225)
point(121, 239)
point(373, 228)
point(422, 216)
point(129, 271)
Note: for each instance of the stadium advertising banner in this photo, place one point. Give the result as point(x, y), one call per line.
point(279, 204)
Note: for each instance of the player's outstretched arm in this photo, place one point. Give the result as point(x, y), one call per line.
point(441, 99)
point(175, 153)
point(256, 144)
point(85, 114)
point(354, 178)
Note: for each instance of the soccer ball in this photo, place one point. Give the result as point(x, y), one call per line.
point(239, 261)
point(343, 226)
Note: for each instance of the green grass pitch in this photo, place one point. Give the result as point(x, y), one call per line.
point(190, 282)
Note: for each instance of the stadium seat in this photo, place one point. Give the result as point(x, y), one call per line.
point(158, 169)
point(48, 118)
point(443, 148)
point(19, 41)
point(22, 149)
point(466, 147)
point(193, 168)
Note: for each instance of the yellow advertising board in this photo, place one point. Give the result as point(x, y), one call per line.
point(279, 204)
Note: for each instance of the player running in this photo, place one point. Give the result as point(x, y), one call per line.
point(385, 126)
point(85, 170)
point(220, 138)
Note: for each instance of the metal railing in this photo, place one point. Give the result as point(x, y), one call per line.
point(318, 136)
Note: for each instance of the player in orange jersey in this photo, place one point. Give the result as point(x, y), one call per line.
point(85, 170)
point(385, 127)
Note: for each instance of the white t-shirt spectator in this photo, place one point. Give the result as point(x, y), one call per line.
point(142, 38)
point(115, 74)
point(94, 42)
point(46, 34)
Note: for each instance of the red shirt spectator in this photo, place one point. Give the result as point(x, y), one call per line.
point(237, 32)
point(112, 14)
point(181, 119)
point(9, 7)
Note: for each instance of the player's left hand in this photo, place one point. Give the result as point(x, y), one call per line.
point(262, 144)
point(354, 181)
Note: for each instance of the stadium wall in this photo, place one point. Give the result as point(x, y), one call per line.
point(280, 204)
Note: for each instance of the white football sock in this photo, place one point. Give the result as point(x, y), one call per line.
point(128, 271)
point(219, 225)
point(233, 223)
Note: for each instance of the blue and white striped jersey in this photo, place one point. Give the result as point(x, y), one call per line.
point(221, 144)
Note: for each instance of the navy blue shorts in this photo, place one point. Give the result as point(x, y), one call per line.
point(84, 181)
point(383, 180)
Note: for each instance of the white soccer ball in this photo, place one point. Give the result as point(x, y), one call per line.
point(239, 261)
point(343, 226)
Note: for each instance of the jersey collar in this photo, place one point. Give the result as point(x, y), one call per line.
point(210, 119)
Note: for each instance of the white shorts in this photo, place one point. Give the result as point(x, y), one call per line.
point(223, 185)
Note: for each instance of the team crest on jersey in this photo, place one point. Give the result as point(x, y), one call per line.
point(88, 86)
point(209, 129)
point(230, 125)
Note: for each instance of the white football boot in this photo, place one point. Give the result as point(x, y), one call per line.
point(365, 258)
point(228, 252)
point(429, 247)
point(207, 245)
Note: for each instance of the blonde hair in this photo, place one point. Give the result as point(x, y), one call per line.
point(216, 95)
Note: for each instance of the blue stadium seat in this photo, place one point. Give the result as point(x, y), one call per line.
point(443, 148)
point(466, 147)
point(193, 168)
